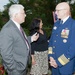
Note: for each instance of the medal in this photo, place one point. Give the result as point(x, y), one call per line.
point(65, 33)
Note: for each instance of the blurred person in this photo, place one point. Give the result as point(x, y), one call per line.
point(61, 48)
point(14, 44)
point(39, 49)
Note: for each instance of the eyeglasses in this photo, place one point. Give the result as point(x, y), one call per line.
point(59, 10)
point(23, 14)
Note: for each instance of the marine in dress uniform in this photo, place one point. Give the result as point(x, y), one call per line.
point(62, 46)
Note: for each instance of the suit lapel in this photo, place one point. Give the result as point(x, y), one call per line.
point(16, 28)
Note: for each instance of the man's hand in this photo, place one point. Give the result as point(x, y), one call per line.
point(34, 37)
point(53, 62)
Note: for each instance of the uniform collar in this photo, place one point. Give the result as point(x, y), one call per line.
point(64, 20)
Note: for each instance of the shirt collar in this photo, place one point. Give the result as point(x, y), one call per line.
point(18, 25)
point(64, 20)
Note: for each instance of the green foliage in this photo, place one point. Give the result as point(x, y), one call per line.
point(38, 8)
point(1, 20)
point(35, 9)
point(73, 10)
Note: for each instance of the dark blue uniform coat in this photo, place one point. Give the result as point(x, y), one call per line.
point(62, 45)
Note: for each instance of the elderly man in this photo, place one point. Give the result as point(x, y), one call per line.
point(61, 48)
point(14, 43)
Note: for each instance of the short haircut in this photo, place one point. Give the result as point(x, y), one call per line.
point(14, 9)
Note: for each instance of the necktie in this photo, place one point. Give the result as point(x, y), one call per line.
point(61, 21)
point(27, 43)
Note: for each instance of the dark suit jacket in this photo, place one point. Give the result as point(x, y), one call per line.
point(14, 50)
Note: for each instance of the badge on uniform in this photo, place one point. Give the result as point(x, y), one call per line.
point(65, 33)
point(50, 50)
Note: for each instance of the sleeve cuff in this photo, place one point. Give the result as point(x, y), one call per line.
point(62, 60)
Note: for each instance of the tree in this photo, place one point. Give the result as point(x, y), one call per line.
point(37, 8)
